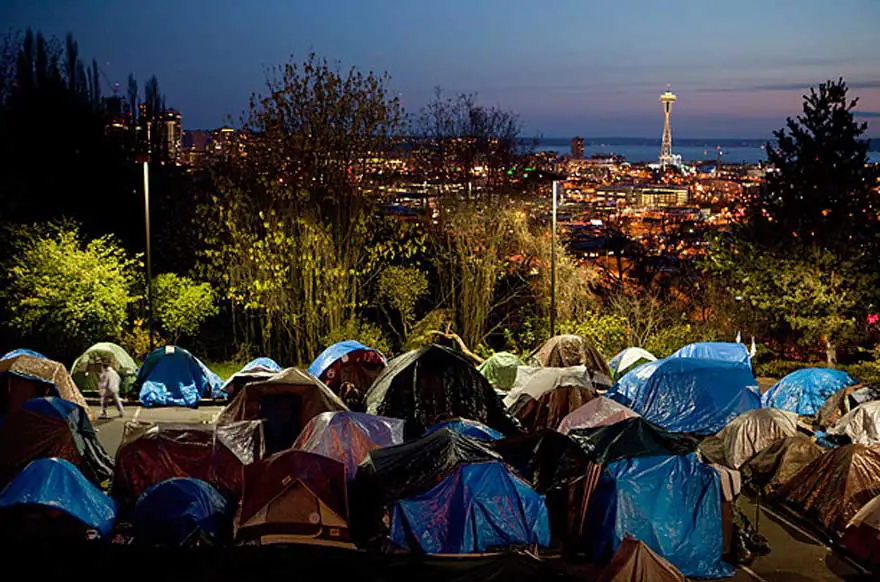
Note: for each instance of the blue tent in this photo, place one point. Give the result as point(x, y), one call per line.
point(171, 376)
point(672, 504)
point(804, 391)
point(23, 352)
point(469, 428)
point(57, 484)
point(724, 351)
point(333, 353)
point(179, 511)
point(477, 508)
point(688, 395)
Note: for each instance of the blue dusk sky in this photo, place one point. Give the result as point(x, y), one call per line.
point(567, 67)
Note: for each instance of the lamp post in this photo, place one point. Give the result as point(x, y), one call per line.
point(149, 261)
point(553, 262)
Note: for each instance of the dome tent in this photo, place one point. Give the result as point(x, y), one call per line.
point(347, 361)
point(171, 376)
point(500, 370)
point(775, 466)
point(181, 512)
point(564, 351)
point(25, 377)
point(87, 380)
point(627, 359)
point(751, 432)
point(732, 352)
point(542, 397)
point(23, 352)
point(804, 391)
point(255, 370)
point(600, 411)
point(469, 428)
point(860, 425)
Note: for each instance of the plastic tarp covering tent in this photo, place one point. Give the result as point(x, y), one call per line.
point(735, 353)
point(476, 509)
point(600, 411)
point(56, 484)
point(547, 460)
point(804, 391)
point(862, 535)
point(843, 401)
point(775, 466)
point(500, 370)
point(633, 437)
point(835, 486)
point(255, 370)
point(627, 358)
point(636, 562)
point(87, 379)
point(171, 376)
point(860, 425)
point(468, 428)
point(551, 407)
point(434, 384)
point(688, 395)
point(672, 504)
point(25, 377)
point(23, 352)
point(348, 361)
point(348, 437)
point(181, 512)
point(564, 351)
point(52, 427)
point(752, 431)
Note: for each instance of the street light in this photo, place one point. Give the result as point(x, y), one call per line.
point(553, 262)
point(149, 261)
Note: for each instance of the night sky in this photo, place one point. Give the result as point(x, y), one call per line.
point(593, 68)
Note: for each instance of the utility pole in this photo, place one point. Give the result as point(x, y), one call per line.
point(553, 263)
point(149, 258)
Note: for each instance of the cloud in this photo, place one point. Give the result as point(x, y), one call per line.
point(867, 114)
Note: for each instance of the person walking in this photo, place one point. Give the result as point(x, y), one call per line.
point(108, 386)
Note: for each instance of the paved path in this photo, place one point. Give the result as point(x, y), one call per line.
point(110, 430)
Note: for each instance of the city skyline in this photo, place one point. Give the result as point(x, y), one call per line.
point(566, 70)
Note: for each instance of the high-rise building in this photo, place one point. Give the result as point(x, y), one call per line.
point(577, 148)
point(171, 135)
point(666, 156)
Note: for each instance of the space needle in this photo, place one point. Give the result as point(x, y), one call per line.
point(666, 156)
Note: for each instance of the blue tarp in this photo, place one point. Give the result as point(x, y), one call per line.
point(469, 428)
point(724, 351)
point(23, 352)
point(672, 504)
point(804, 391)
point(688, 395)
point(56, 483)
point(171, 376)
point(333, 353)
point(255, 364)
point(477, 508)
point(51, 406)
point(179, 510)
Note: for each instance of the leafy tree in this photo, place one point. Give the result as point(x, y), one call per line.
point(181, 304)
point(67, 291)
point(399, 289)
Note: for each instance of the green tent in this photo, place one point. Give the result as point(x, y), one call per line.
point(119, 359)
point(500, 370)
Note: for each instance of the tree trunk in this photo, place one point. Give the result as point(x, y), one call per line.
point(831, 354)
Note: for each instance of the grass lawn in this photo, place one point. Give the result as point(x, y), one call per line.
point(225, 369)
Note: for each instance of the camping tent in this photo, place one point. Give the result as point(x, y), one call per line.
point(836, 485)
point(751, 432)
point(294, 497)
point(478, 508)
point(542, 397)
point(52, 427)
point(23, 352)
point(433, 384)
point(85, 376)
point(348, 437)
point(468, 428)
point(348, 361)
point(254, 371)
point(500, 370)
point(862, 535)
point(600, 411)
point(546, 459)
point(42, 498)
point(285, 402)
point(860, 425)
point(171, 376)
point(734, 353)
point(25, 377)
point(627, 359)
point(633, 437)
point(564, 351)
point(804, 391)
point(687, 394)
point(775, 466)
point(843, 401)
point(636, 562)
point(181, 512)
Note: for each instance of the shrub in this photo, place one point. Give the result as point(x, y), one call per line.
point(181, 304)
point(780, 368)
point(359, 330)
point(607, 333)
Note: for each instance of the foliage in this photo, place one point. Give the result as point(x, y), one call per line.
point(672, 337)
point(136, 340)
point(437, 319)
point(66, 289)
point(399, 289)
point(780, 368)
point(181, 305)
point(359, 330)
point(226, 368)
point(865, 372)
point(607, 332)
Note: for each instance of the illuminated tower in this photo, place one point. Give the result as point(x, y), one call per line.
point(666, 158)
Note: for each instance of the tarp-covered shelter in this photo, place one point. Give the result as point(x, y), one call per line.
point(500, 370)
point(151, 453)
point(804, 391)
point(256, 370)
point(862, 535)
point(636, 562)
point(348, 437)
point(25, 377)
point(478, 508)
point(182, 512)
point(23, 352)
point(51, 498)
point(633, 437)
point(735, 353)
point(860, 425)
point(600, 411)
point(835, 486)
point(171, 376)
point(348, 361)
point(627, 359)
point(433, 384)
point(753, 431)
point(672, 504)
point(687, 394)
point(52, 427)
point(285, 403)
point(777, 464)
point(542, 397)
point(85, 369)
point(294, 497)
point(564, 351)
point(469, 428)
point(843, 401)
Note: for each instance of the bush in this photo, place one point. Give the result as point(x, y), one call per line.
point(359, 330)
point(607, 333)
point(864, 372)
point(669, 339)
point(136, 340)
point(181, 304)
point(780, 368)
